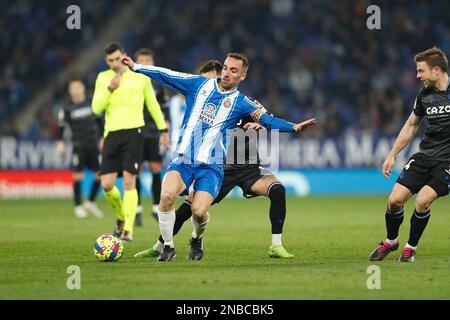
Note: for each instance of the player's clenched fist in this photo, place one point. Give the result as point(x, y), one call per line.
point(126, 60)
point(305, 124)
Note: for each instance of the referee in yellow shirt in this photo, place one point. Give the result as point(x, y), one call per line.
point(121, 94)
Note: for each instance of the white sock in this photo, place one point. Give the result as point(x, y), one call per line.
point(410, 246)
point(155, 208)
point(198, 228)
point(276, 239)
point(392, 241)
point(166, 222)
point(158, 246)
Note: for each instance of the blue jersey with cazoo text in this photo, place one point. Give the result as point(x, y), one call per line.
point(210, 114)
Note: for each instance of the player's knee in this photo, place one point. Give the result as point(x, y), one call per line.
point(395, 202)
point(199, 211)
point(129, 184)
point(107, 185)
point(277, 192)
point(167, 199)
point(423, 203)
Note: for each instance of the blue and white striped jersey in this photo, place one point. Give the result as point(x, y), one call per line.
point(210, 114)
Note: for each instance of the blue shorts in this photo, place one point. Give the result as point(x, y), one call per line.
point(206, 177)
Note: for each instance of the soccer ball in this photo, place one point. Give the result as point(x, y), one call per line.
point(108, 248)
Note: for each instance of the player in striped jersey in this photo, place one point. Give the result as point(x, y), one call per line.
point(212, 107)
point(251, 177)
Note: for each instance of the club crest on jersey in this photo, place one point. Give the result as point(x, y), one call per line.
point(208, 114)
point(227, 103)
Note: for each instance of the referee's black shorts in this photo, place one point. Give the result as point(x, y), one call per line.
point(244, 176)
point(421, 170)
point(122, 151)
point(85, 157)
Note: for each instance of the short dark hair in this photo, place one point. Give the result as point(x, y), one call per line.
point(73, 78)
point(211, 65)
point(434, 57)
point(144, 52)
point(239, 56)
point(113, 47)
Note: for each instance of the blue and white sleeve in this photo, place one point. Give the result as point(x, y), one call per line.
point(259, 114)
point(178, 81)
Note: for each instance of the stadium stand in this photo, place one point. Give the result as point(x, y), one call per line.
point(351, 78)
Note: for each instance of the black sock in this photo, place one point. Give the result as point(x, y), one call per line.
point(94, 190)
point(182, 214)
point(77, 192)
point(393, 222)
point(156, 187)
point(138, 189)
point(419, 221)
point(277, 212)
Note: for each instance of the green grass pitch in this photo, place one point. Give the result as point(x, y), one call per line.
point(331, 238)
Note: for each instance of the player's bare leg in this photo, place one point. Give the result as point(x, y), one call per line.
point(419, 221)
point(200, 218)
point(269, 186)
point(172, 186)
point(394, 218)
point(130, 201)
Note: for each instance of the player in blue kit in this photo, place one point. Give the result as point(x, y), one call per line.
point(212, 107)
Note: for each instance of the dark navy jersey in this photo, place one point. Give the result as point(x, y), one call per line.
point(150, 129)
point(435, 107)
point(243, 146)
point(83, 123)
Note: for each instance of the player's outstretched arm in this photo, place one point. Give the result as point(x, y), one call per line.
point(284, 126)
point(404, 138)
point(305, 124)
point(178, 81)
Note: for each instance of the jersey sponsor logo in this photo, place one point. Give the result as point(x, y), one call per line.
point(81, 113)
point(438, 110)
point(208, 114)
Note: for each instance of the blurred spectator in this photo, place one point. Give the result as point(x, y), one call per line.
point(306, 57)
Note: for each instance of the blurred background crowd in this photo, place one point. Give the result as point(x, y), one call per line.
point(307, 58)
